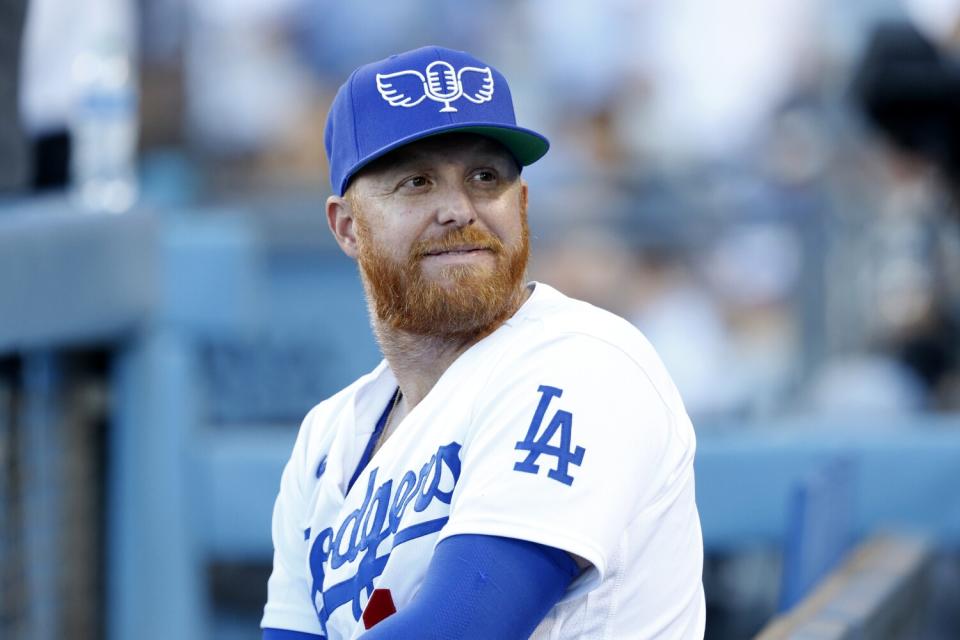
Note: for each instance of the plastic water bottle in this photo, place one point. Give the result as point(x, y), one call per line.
point(104, 129)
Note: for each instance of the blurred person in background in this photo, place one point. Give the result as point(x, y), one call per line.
point(677, 312)
point(59, 40)
point(908, 85)
point(54, 36)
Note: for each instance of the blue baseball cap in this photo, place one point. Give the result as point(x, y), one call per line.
point(428, 91)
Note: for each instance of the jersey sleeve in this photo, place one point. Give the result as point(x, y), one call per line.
point(566, 447)
point(288, 604)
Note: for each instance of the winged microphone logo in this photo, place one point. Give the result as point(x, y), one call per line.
point(441, 83)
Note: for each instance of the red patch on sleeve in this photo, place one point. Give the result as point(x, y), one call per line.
point(379, 607)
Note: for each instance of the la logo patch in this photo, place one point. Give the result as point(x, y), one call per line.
point(564, 452)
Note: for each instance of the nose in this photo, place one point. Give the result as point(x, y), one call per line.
point(455, 207)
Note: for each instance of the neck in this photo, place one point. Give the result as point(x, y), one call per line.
point(418, 361)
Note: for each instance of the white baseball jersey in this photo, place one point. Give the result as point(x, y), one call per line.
point(562, 428)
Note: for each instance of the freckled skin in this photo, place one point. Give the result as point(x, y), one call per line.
point(428, 188)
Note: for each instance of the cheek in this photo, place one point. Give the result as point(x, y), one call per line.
point(386, 240)
point(510, 227)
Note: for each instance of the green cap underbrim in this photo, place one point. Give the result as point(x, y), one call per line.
point(526, 146)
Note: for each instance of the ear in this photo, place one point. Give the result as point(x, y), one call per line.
point(524, 194)
point(340, 218)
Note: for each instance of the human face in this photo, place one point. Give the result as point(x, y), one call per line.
point(441, 236)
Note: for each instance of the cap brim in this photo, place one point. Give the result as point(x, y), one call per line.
point(527, 146)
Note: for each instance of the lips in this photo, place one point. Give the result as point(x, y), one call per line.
point(456, 250)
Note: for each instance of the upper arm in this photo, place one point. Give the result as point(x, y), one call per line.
point(566, 448)
point(480, 587)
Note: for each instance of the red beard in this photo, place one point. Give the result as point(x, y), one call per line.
point(477, 303)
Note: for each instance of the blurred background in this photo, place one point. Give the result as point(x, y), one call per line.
point(766, 188)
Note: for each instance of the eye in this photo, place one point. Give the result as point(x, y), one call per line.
point(484, 175)
point(415, 182)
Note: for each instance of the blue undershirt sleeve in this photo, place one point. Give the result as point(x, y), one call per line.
point(479, 587)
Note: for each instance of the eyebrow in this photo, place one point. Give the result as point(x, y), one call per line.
point(414, 157)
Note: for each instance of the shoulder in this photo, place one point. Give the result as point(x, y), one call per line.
point(550, 316)
point(555, 332)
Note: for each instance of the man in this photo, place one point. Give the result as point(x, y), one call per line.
point(520, 464)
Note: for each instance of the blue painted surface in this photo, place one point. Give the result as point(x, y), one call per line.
point(906, 468)
point(156, 569)
point(211, 279)
point(239, 476)
point(42, 453)
point(819, 529)
point(68, 278)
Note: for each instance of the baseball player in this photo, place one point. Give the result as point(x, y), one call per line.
point(519, 464)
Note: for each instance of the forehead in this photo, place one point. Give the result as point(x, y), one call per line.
point(450, 147)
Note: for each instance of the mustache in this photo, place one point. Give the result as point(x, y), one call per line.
point(458, 239)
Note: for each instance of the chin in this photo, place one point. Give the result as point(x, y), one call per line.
point(450, 276)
